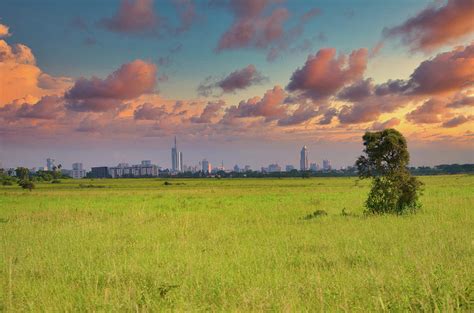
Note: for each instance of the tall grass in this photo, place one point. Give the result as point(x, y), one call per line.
point(233, 245)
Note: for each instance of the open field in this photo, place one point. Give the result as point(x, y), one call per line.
point(233, 245)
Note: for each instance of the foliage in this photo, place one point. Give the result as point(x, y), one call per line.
point(22, 173)
point(394, 189)
point(26, 184)
point(315, 214)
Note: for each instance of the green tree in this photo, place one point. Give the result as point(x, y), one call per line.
point(26, 184)
point(394, 189)
point(22, 173)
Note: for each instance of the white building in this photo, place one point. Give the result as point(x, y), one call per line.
point(327, 165)
point(176, 158)
point(139, 170)
point(50, 164)
point(272, 168)
point(206, 166)
point(78, 171)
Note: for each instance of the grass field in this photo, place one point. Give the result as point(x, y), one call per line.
point(233, 245)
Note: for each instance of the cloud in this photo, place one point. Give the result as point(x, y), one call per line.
point(271, 106)
point(446, 72)
point(428, 113)
point(462, 101)
point(186, 13)
point(129, 81)
point(391, 123)
point(133, 17)
point(210, 112)
point(47, 108)
point(357, 91)
point(370, 109)
point(456, 121)
point(324, 74)
point(328, 116)
point(4, 31)
point(251, 30)
point(302, 114)
point(149, 112)
point(436, 26)
point(20, 77)
point(310, 14)
point(237, 80)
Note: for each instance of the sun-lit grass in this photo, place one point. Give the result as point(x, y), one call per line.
point(233, 245)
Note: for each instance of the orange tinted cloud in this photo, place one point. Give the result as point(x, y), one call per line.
point(324, 74)
point(129, 81)
point(436, 26)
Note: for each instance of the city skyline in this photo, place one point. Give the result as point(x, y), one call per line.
point(114, 80)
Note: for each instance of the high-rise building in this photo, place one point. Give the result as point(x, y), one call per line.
point(176, 158)
point(77, 171)
point(304, 159)
point(273, 168)
point(327, 165)
point(206, 166)
point(50, 164)
point(146, 162)
point(314, 167)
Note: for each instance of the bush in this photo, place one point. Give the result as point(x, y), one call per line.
point(394, 189)
point(55, 181)
point(26, 184)
point(317, 213)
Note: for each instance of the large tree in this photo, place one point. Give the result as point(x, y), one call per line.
point(394, 189)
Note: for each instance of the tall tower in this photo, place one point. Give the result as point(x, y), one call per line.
point(304, 159)
point(174, 157)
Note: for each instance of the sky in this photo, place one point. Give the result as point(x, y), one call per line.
point(237, 81)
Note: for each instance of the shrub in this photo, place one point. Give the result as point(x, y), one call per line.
point(394, 189)
point(55, 181)
point(26, 184)
point(315, 214)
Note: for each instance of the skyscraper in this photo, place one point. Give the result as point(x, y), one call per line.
point(327, 165)
point(176, 158)
point(206, 166)
point(50, 164)
point(304, 159)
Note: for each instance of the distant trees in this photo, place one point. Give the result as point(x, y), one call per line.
point(394, 189)
point(23, 176)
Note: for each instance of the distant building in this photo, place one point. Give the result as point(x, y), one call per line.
point(304, 159)
point(139, 170)
point(50, 164)
point(314, 167)
point(100, 172)
point(289, 168)
point(327, 165)
point(77, 171)
point(146, 162)
point(176, 158)
point(247, 168)
point(206, 166)
point(236, 168)
point(272, 168)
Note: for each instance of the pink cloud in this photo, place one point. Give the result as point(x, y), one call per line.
point(210, 112)
point(428, 113)
point(357, 91)
point(271, 106)
point(391, 123)
point(237, 80)
point(302, 114)
point(324, 74)
point(456, 121)
point(129, 81)
point(436, 26)
point(133, 16)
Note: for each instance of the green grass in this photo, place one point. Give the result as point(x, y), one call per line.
point(233, 245)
